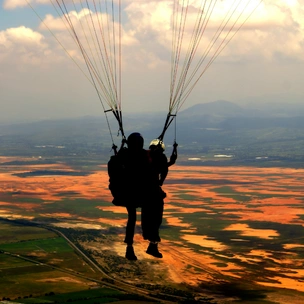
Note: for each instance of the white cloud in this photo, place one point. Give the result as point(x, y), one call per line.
point(13, 4)
point(273, 24)
point(22, 45)
point(275, 27)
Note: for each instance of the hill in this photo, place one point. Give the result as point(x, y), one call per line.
point(219, 108)
point(201, 130)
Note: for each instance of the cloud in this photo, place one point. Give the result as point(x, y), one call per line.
point(282, 31)
point(147, 28)
point(273, 24)
point(22, 45)
point(85, 23)
point(13, 4)
point(265, 54)
point(273, 32)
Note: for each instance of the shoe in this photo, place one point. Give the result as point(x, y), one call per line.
point(153, 250)
point(130, 255)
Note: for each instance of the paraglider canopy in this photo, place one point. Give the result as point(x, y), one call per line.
point(95, 28)
point(201, 29)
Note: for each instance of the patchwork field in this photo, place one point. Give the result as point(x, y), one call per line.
point(229, 233)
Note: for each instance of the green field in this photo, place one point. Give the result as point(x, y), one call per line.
point(38, 266)
point(35, 261)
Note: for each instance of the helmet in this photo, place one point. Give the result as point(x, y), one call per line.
point(135, 141)
point(157, 142)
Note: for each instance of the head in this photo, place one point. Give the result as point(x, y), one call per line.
point(135, 141)
point(157, 144)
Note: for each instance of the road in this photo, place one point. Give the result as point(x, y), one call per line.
point(106, 279)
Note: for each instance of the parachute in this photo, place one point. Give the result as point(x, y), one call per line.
point(95, 28)
point(201, 29)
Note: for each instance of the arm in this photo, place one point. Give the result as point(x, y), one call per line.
point(173, 156)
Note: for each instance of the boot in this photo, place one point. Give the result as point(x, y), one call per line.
point(153, 250)
point(130, 255)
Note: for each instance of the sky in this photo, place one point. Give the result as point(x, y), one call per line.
point(38, 80)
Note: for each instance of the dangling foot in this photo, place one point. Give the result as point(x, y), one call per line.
point(130, 255)
point(153, 250)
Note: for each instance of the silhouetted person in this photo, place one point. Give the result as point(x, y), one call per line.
point(136, 176)
point(130, 176)
point(152, 210)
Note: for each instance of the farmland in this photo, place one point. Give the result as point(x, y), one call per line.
point(229, 234)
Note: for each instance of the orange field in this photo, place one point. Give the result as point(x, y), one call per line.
point(228, 222)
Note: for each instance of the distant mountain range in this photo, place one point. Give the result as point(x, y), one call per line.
point(219, 108)
point(215, 127)
point(224, 108)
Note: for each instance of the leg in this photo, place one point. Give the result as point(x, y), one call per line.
point(158, 214)
point(151, 221)
point(130, 228)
